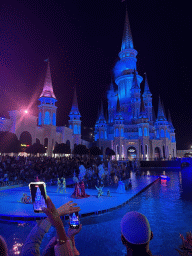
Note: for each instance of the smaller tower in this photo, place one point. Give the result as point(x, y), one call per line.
point(135, 97)
point(143, 130)
point(119, 125)
point(147, 98)
point(47, 108)
point(101, 127)
point(75, 121)
point(119, 132)
point(47, 113)
point(172, 136)
point(162, 130)
point(112, 101)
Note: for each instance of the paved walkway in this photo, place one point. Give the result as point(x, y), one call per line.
point(12, 210)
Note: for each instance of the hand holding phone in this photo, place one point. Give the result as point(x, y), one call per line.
point(74, 220)
point(38, 195)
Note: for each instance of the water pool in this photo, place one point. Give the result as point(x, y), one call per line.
point(167, 205)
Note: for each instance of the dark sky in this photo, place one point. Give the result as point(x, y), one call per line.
point(82, 40)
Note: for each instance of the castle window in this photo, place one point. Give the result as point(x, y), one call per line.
point(117, 132)
point(162, 133)
point(39, 121)
point(145, 132)
point(122, 132)
point(75, 129)
point(140, 131)
point(54, 119)
point(47, 118)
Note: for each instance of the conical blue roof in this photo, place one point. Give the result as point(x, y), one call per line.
point(169, 120)
point(74, 108)
point(101, 118)
point(146, 88)
point(127, 41)
point(161, 114)
point(118, 115)
point(135, 83)
point(142, 109)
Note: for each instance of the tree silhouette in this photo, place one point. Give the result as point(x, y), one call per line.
point(95, 151)
point(109, 152)
point(62, 149)
point(9, 143)
point(36, 148)
point(80, 150)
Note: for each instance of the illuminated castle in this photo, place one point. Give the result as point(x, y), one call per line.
point(30, 129)
point(131, 128)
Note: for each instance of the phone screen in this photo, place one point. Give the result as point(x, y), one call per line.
point(74, 220)
point(39, 195)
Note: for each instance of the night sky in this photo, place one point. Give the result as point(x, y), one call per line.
point(82, 40)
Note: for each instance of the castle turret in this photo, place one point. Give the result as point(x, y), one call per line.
point(163, 130)
point(147, 98)
point(125, 67)
point(47, 108)
point(135, 97)
point(119, 126)
point(47, 113)
point(112, 101)
point(75, 121)
point(101, 127)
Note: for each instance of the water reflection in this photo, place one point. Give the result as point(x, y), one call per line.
point(17, 247)
point(186, 183)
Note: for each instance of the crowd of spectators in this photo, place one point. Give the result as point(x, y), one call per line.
point(22, 170)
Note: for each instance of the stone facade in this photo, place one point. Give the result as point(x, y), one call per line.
point(30, 129)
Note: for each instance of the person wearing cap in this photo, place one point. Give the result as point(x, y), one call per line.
point(136, 234)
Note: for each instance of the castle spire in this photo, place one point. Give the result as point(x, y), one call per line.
point(160, 114)
point(169, 119)
point(127, 41)
point(118, 115)
point(101, 118)
point(135, 83)
point(118, 109)
point(48, 87)
point(74, 108)
point(142, 109)
point(146, 88)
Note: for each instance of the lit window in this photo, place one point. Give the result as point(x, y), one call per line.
point(54, 119)
point(162, 133)
point(145, 132)
point(47, 118)
point(39, 121)
point(75, 129)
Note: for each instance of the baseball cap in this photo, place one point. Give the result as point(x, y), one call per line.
point(135, 228)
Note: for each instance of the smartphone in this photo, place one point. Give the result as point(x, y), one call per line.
point(38, 195)
point(74, 220)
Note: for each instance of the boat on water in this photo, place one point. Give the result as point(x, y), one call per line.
point(164, 177)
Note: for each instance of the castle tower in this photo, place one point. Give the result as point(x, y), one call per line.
point(100, 127)
point(124, 68)
point(163, 130)
point(135, 97)
point(75, 122)
point(143, 130)
point(147, 98)
point(47, 108)
point(47, 113)
point(112, 101)
point(119, 132)
point(172, 136)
